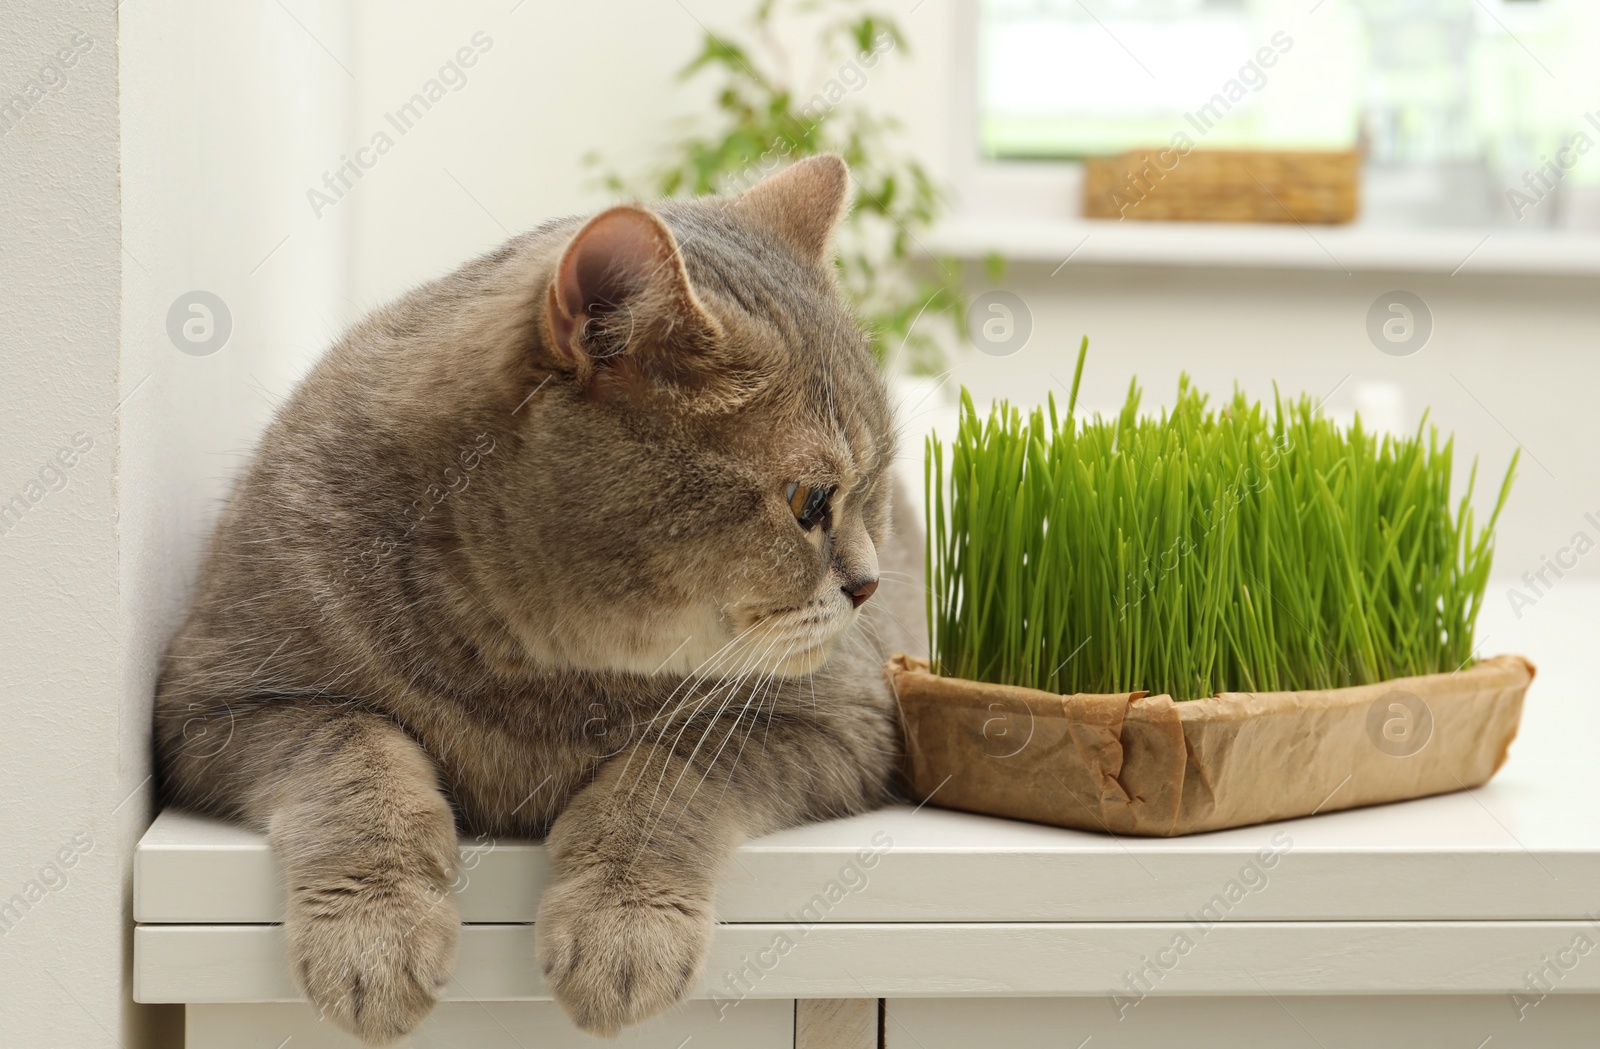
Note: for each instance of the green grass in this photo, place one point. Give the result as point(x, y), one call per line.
point(1248, 549)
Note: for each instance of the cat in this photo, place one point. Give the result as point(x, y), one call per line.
point(576, 543)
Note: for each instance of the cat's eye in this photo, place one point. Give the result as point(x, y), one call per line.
point(810, 503)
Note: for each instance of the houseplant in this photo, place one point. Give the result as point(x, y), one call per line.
point(764, 114)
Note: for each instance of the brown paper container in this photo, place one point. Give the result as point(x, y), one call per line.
point(1145, 765)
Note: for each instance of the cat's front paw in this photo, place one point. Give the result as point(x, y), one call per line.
point(372, 953)
point(615, 953)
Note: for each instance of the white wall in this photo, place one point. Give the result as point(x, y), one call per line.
point(560, 81)
point(218, 142)
point(72, 772)
point(501, 153)
point(219, 105)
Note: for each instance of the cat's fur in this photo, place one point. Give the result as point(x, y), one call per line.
point(517, 559)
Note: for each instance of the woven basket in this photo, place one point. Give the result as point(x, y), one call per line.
point(1224, 186)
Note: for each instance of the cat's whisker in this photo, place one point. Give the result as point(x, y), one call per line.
point(702, 671)
point(889, 368)
point(691, 683)
point(738, 685)
point(769, 682)
point(689, 761)
point(766, 727)
point(728, 684)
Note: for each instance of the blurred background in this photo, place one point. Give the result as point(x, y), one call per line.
point(1419, 198)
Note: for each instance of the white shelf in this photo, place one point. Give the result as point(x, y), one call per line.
point(1458, 894)
point(1526, 847)
point(248, 963)
point(1353, 249)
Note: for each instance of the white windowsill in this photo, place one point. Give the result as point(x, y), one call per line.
point(1356, 248)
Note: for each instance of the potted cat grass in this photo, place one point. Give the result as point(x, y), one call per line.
point(1212, 617)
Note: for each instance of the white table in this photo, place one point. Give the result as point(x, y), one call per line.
point(1406, 925)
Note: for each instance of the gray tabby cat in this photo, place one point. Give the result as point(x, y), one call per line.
point(571, 543)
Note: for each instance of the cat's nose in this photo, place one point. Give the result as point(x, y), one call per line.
point(859, 592)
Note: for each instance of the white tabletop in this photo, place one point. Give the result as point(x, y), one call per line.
point(1526, 846)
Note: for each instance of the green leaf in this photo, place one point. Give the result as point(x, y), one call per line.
point(755, 115)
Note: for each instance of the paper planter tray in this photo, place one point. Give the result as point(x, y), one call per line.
point(1145, 765)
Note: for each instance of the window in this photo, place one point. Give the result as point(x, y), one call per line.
point(1505, 91)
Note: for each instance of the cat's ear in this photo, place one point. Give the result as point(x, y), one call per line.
point(800, 205)
point(621, 286)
